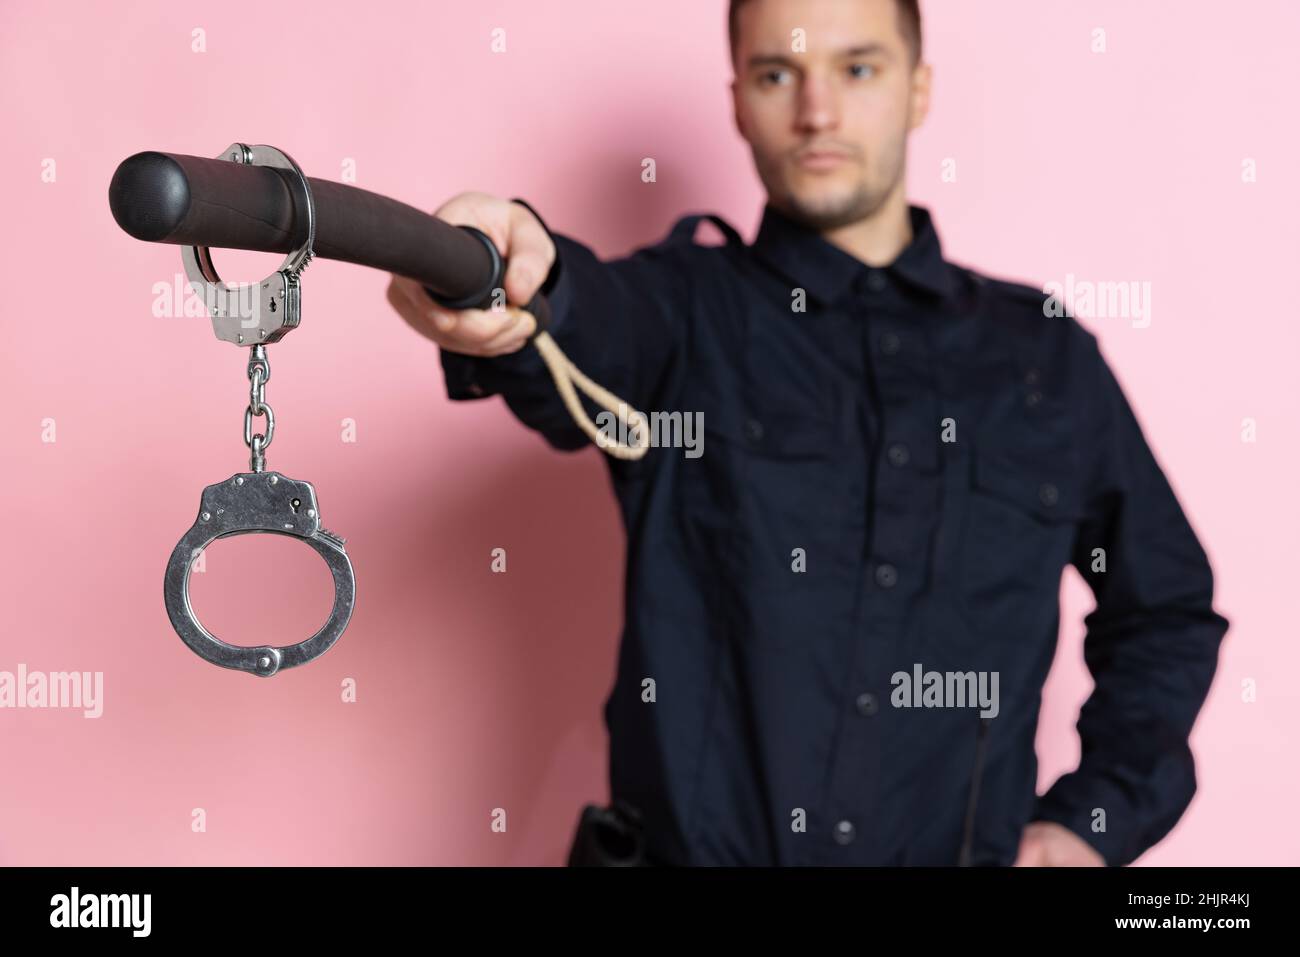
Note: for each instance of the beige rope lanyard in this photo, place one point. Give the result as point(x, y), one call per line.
point(566, 376)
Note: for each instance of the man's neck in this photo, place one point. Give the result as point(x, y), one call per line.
point(878, 239)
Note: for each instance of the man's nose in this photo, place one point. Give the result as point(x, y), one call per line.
point(819, 104)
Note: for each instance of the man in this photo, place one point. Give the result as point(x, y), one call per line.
point(840, 616)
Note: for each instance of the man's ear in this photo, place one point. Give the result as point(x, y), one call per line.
point(922, 77)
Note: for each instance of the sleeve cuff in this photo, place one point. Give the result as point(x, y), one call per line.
point(1079, 821)
point(1120, 814)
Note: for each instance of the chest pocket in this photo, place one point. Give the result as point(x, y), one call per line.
point(771, 479)
point(762, 388)
point(1019, 523)
point(759, 460)
point(766, 499)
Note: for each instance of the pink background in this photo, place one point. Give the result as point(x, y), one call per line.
point(475, 690)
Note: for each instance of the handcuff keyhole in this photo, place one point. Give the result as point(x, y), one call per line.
point(295, 504)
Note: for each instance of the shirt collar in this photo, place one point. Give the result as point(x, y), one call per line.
point(808, 260)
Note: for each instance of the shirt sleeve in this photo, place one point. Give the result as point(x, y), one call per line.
point(1151, 644)
point(620, 322)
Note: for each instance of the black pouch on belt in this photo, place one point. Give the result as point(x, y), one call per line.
point(609, 837)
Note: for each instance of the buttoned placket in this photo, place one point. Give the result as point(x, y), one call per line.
point(856, 760)
point(893, 560)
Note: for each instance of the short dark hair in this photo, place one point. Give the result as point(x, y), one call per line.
point(909, 24)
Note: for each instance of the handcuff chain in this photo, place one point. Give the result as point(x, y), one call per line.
point(259, 373)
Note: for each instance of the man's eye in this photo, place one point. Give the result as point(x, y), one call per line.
point(862, 71)
point(773, 77)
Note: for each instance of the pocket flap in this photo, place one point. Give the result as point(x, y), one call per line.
point(778, 433)
point(1052, 495)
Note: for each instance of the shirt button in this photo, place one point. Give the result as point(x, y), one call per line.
point(890, 344)
point(753, 429)
point(1033, 399)
point(844, 832)
point(898, 455)
point(1031, 377)
point(886, 575)
point(876, 281)
point(866, 704)
point(1049, 494)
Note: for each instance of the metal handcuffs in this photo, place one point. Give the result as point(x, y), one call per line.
point(244, 504)
point(256, 501)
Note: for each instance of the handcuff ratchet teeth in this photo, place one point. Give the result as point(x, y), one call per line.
point(257, 501)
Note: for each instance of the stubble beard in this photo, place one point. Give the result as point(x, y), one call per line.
point(872, 190)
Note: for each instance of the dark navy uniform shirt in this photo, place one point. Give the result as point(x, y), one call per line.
point(898, 464)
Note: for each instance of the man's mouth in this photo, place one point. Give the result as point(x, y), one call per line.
point(820, 159)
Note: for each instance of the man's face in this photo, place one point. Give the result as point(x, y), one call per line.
point(827, 125)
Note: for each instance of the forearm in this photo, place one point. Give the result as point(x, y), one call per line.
point(1136, 774)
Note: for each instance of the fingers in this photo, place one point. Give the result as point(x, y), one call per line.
point(513, 336)
point(483, 332)
point(529, 253)
point(529, 257)
point(1031, 852)
point(479, 332)
point(518, 235)
point(404, 307)
point(1047, 844)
